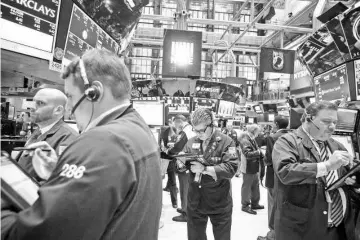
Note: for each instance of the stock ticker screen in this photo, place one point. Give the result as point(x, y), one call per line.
point(30, 23)
point(84, 34)
point(333, 85)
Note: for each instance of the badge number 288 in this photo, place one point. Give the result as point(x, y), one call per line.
point(72, 171)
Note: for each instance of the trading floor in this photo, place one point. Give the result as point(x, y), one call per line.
point(244, 226)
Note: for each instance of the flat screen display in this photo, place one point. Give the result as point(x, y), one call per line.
point(346, 120)
point(257, 108)
point(211, 104)
point(350, 23)
point(182, 54)
point(19, 181)
point(226, 109)
point(84, 34)
point(29, 23)
point(320, 52)
point(151, 112)
point(11, 114)
point(357, 78)
point(271, 117)
point(346, 141)
point(333, 85)
point(250, 120)
point(177, 104)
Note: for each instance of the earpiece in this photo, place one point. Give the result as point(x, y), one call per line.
point(92, 92)
point(308, 119)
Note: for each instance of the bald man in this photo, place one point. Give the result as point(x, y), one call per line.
point(48, 114)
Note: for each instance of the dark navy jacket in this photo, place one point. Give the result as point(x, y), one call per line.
point(107, 185)
point(59, 137)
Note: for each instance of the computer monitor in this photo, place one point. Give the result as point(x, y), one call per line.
point(11, 113)
point(295, 117)
point(226, 109)
point(346, 120)
point(151, 111)
point(346, 141)
point(271, 117)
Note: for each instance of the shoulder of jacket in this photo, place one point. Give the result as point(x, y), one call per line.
point(66, 129)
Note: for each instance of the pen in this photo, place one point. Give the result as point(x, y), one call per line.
point(29, 149)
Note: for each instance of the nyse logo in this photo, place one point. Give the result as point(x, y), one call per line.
point(182, 53)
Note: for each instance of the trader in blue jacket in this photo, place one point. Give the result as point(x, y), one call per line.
point(107, 184)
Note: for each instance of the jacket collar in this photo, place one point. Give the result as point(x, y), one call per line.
point(52, 130)
point(114, 115)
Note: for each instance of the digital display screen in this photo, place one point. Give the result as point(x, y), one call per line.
point(257, 108)
point(84, 34)
point(30, 23)
point(177, 104)
point(19, 181)
point(320, 52)
point(182, 53)
point(11, 114)
point(333, 85)
point(346, 120)
point(346, 141)
point(271, 117)
point(250, 120)
point(211, 104)
point(350, 23)
point(357, 78)
point(151, 112)
point(226, 109)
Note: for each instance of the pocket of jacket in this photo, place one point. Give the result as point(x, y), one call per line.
point(294, 216)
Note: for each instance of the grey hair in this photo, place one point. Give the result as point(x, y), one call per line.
point(202, 115)
point(102, 66)
point(252, 128)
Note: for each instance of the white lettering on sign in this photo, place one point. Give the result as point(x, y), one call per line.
point(182, 53)
point(72, 171)
point(37, 7)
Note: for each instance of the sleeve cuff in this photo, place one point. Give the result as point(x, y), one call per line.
point(211, 171)
point(321, 170)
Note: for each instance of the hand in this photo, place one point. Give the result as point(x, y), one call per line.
point(44, 163)
point(350, 181)
point(197, 167)
point(337, 160)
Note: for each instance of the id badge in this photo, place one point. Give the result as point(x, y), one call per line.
point(196, 146)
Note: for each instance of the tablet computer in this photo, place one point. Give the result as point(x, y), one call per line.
point(340, 182)
point(17, 186)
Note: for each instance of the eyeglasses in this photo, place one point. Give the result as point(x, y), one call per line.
point(200, 131)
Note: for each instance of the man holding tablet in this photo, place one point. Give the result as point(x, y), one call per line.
point(107, 183)
point(306, 162)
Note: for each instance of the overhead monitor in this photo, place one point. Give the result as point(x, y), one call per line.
point(357, 78)
point(333, 85)
point(346, 120)
point(312, 100)
point(270, 108)
point(250, 120)
point(151, 111)
point(11, 114)
point(211, 104)
point(226, 109)
point(257, 108)
point(347, 142)
point(271, 117)
point(295, 117)
point(182, 54)
point(29, 27)
point(320, 53)
point(84, 34)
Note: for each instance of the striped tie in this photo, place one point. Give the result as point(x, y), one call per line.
point(336, 206)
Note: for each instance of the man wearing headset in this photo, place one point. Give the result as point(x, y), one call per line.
point(210, 181)
point(305, 163)
point(107, 184)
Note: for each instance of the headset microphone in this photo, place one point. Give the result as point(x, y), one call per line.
point(308, 118)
